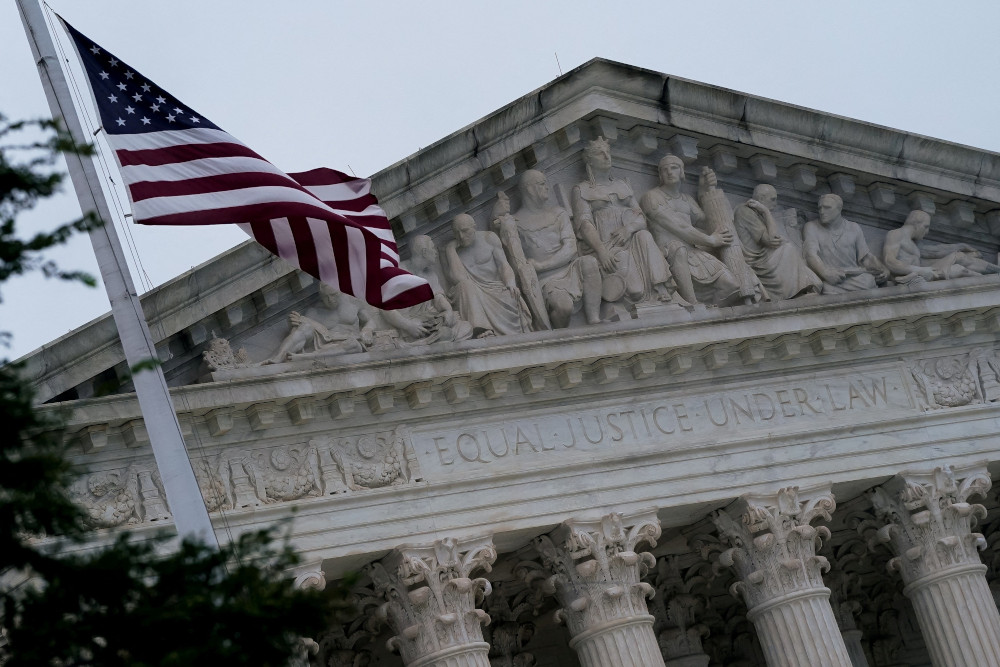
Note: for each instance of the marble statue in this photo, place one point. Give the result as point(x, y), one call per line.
point(431, 321)
point(540, 236)
point(608, 219)
point(909, 263)
point(675, 217)
point(483, 286)
point(836, 250)
point(342, 326)
point(777, 263)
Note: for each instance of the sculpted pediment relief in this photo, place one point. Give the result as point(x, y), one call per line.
point(600, 200)
point(600, 231)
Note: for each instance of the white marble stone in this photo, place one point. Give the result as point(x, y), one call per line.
point(409, 441)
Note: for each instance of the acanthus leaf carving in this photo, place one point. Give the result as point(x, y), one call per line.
point(345, 645)
point(679, 602)
point(595, 568)
point(508, 632)
point(928, 520)
point(430, 597)
point(773, 544)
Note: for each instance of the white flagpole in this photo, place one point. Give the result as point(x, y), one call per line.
point(183, 494)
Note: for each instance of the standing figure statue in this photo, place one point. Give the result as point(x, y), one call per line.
point(836, 250)
point(608, 219)
point(910, 264)
point(341, 326)
point(777, 263)
point(431, 321)
point(675, 217)
point(483, 285)
point(540, 236)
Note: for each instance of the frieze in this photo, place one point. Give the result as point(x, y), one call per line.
point(120, 497)
point(324, 466)
point(663, 423)
point(958, 379)
point(237, 478)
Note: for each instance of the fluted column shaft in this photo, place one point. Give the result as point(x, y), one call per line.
point(969, 638)
point(928, 524)
point(629, 641)
point(780, 575)
point(596, 580)
point(800, 629)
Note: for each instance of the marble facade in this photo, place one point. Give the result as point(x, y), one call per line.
point(631, 449)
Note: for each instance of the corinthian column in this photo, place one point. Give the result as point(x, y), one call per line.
point(594, 571)
point(430, 602)
point(928, 523)
point(677, 609)
point(780, 576)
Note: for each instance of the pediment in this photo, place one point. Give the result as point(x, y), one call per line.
point(244, 298)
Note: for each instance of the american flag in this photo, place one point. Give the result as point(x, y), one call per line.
point(181, 169)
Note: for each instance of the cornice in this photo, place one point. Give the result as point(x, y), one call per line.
point(644, 112)
point(656, 351)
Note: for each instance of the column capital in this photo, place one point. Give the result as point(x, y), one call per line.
point(927, 519)
point(773, 544)
point(310, 576)
point(681, 600)
point(431, 598)
point(596, 567)
point(507, 633)
point(345, 645)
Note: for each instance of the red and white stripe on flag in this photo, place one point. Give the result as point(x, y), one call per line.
point(182, 169)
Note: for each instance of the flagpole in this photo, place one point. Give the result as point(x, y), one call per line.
point(183, 493)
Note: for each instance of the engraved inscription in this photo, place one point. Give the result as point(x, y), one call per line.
point(667, 423)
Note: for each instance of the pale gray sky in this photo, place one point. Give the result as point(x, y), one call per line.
point(362, 85)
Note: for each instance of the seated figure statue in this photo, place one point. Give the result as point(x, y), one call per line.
point(608, 219)
point(540, 236)
point(836, 250)
point(431, 321)
point(483, 287)
point(342, 326)
point(674, 217)
point(911, 264)
point(777, 263)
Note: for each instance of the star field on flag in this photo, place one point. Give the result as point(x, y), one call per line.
point(180, 168)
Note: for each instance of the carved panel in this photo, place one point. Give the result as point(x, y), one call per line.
point(238, 478)
point(121, 496)
point(954, 380)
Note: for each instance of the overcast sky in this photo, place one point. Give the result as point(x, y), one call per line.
point(361, 85)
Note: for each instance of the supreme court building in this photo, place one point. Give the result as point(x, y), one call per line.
point(645, 422)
